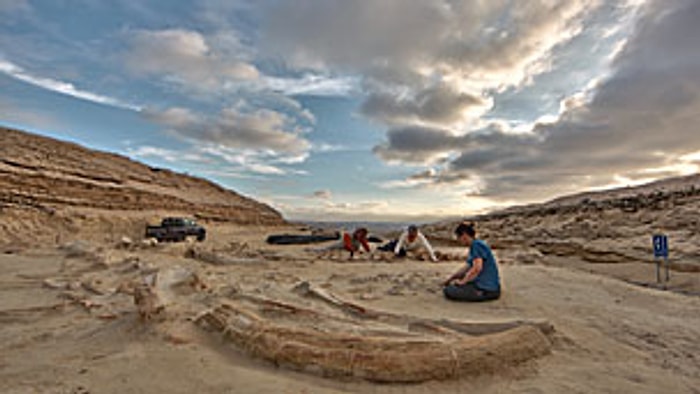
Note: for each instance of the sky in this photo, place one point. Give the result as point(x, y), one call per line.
point(386, 110)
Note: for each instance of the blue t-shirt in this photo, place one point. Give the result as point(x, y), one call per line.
point(488, 278)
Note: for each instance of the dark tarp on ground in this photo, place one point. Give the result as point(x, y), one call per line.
point(294, 239)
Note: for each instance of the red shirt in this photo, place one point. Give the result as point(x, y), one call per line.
point(352, 244)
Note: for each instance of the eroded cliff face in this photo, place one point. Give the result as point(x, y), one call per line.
point(54, 190)
point(602, 227)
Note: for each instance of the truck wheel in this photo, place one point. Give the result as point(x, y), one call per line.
point(201, 236)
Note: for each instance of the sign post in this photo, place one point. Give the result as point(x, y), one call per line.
point(660, 242)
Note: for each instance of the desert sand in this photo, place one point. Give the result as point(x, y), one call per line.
point(67, 328)
point(86, 306)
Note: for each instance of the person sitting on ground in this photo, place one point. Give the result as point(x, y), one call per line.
point(352, 243)
point(415, 242)
point(478, 280)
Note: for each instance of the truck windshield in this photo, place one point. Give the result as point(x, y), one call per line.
point(177, 222)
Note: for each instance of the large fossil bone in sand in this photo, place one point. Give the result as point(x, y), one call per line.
point(161, 288)
point(471, 328)
point(372, 356)
point(216, 258)
point(146, 298)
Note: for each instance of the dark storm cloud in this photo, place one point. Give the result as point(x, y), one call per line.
point(643, 117)
point(440, 104)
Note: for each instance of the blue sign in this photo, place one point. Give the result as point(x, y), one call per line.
point(660, 242)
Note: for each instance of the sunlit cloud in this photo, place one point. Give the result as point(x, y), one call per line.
point(214, 160)
point(309, 85)
point(186, 58)
point(263, 130)
point(62, 87)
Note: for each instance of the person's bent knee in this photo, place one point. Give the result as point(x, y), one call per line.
point(446, 292)
point(486, 295)
point(456, 293)
point(449, 292)
point(469, 294)
point(492, 295)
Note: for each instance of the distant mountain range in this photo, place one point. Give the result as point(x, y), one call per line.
point(378, 228)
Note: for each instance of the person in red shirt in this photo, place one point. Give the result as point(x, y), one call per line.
point(355, 242)
point(358, 239)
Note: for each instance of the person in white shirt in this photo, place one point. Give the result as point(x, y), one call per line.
point(413, 241)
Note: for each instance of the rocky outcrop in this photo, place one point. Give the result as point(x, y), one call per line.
point(49, 187)
point(612, 226)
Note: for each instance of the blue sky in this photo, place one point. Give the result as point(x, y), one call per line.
point(365, 110)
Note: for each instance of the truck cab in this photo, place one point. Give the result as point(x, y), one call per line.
point(176, 229)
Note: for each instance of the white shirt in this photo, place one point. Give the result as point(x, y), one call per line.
point(419, 241)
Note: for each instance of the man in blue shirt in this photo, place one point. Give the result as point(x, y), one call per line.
point(478, 280)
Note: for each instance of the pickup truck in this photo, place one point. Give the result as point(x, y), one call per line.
point(177, 230)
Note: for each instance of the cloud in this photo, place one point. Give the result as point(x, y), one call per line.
point(257, 130)
point(167, 155)
point(219, 62)
point(154, 152)
point(356, 208)
point(308, 85)
point(429, 63)
point(440, 104)
point(264, 163)
point(174, 117)
point(638, 122)
point(213, 160)
point(62, 87)
point(245, 138)
point(429, 145)
point(473, 35)
point(187, 58)
point(434, 71)
point(417, 145)
point(323, 194)
point(324, 147)
point(301, 208)
point(278, 102)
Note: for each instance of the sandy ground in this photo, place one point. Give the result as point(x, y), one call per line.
point(642, 273)
point(611, 336)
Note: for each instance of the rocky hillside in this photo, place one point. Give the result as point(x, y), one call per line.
point(51, 189)
point(602, 227)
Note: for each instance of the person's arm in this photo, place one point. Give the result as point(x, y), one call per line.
point(457, 275)
point(365, 244)
point(399, 244)
point(473, 272)
point(480, 253)
point(427, 246)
